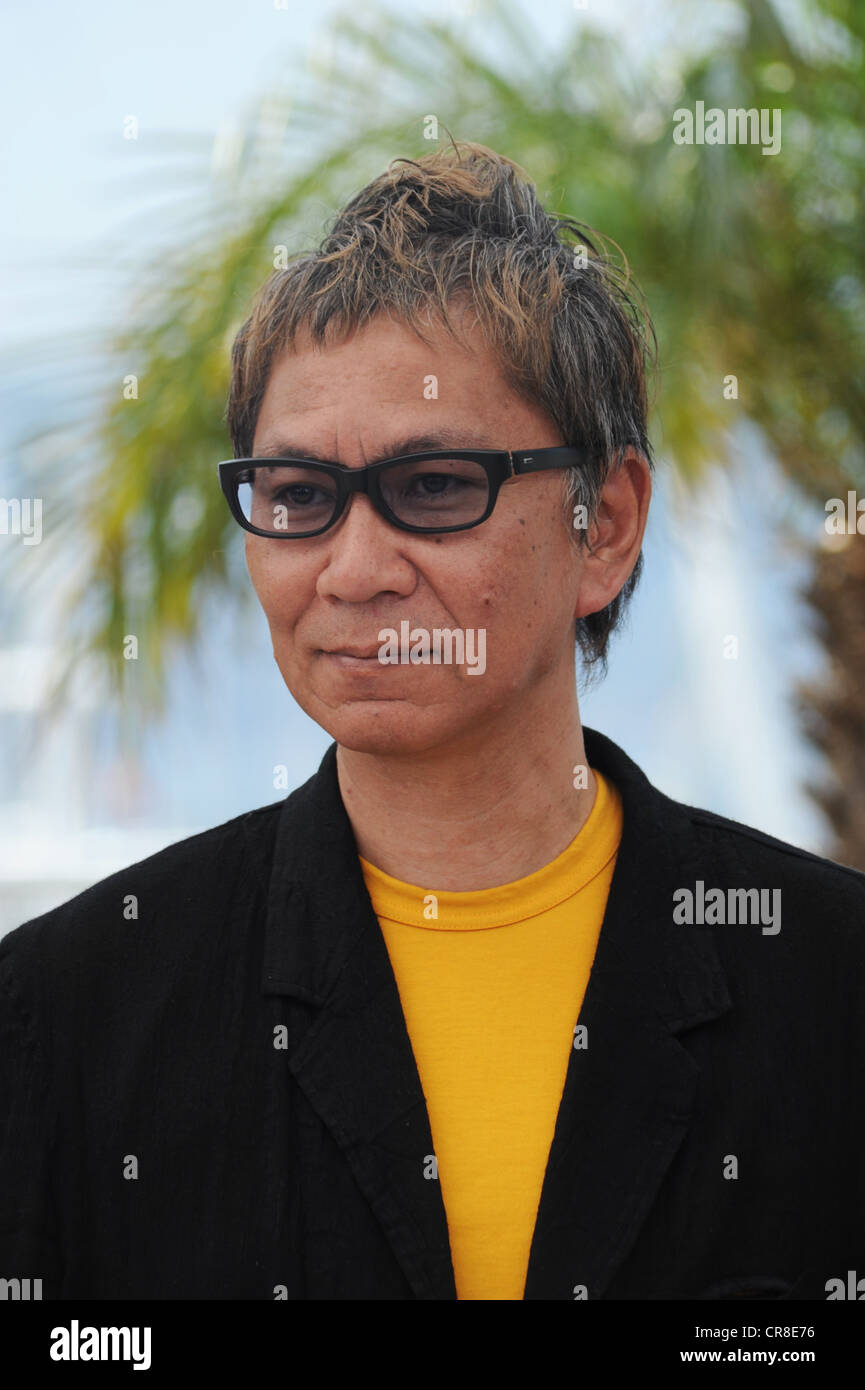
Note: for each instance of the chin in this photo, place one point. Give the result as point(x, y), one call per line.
point(385, 727)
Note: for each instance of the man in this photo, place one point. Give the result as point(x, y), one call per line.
point(477, 1012)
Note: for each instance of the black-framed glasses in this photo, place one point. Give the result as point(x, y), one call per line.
point(432, 492)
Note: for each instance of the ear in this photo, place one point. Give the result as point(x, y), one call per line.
point(614, 537)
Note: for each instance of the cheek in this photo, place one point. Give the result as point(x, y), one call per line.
point(531, 593)
point(510, 595)
point(261, 576)
point(524, 574)
point(275, 582)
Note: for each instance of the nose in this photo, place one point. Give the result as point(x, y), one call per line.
point(364, 556)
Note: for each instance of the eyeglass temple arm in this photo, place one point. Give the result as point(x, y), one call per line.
point(537, 460)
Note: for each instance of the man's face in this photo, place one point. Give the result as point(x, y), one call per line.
point(516, 576)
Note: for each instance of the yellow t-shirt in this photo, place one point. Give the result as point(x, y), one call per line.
point(491, 988)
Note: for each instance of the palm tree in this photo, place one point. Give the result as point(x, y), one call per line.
point(832, 709)
point(751, 264)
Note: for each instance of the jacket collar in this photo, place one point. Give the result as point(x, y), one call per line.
point(628, 1094)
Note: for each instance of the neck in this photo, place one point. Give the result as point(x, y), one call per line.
point(475, 814)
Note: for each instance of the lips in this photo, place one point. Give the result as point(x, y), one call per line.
point(363, 653)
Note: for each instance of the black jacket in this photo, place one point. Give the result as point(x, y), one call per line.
point(242, 1042)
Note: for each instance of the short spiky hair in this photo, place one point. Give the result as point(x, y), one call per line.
point(465, 225)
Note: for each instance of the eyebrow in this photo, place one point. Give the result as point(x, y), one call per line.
point(414, 444)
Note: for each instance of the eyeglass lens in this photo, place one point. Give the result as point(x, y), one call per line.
point(293, 499)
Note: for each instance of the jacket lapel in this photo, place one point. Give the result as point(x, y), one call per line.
point(628, 1095)
point(355, 1062)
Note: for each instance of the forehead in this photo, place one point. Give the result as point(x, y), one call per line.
point(385, 349)
point(386, 383)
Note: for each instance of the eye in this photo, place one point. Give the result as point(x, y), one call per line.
point(434, 484)
point(273, 497)
point(297, 494)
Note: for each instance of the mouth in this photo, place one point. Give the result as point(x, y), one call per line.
point(354, 659)
point(356, 653)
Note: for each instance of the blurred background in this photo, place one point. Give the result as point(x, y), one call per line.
point(154, 165)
